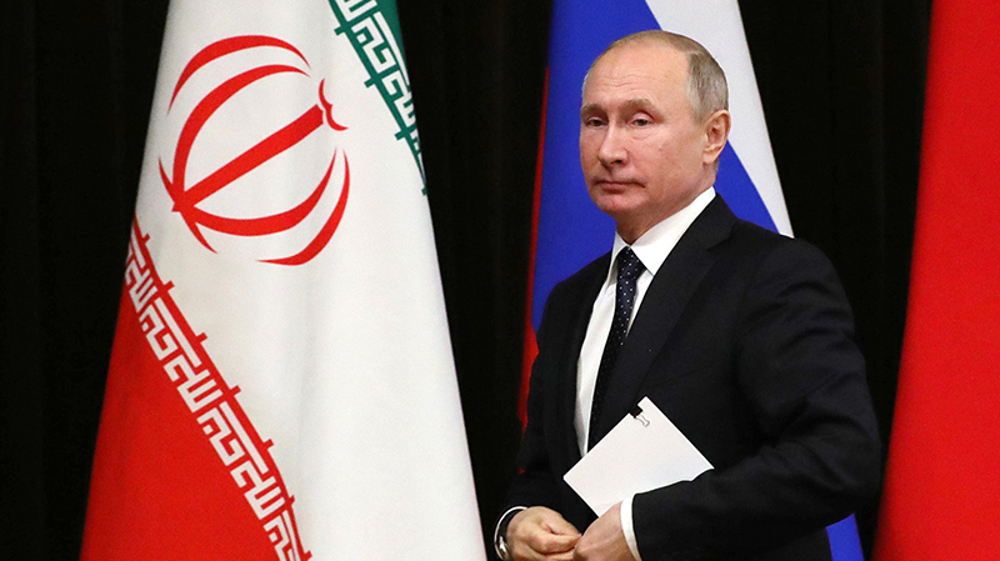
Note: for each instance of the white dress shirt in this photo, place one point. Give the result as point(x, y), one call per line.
point(652, 249)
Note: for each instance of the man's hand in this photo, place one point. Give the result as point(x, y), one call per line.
point(540, 533)
point(604, 540)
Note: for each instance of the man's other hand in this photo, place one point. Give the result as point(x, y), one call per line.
point(540, 533)
point(604, 540)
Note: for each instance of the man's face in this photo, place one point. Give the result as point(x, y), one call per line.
point(643, 156)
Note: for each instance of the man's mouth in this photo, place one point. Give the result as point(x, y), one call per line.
point(614, 184)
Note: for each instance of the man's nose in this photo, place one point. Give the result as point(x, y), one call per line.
point(613, 149)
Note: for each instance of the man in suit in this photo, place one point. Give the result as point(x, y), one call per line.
point(741, 337)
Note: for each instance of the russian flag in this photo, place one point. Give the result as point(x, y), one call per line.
point(568, 230)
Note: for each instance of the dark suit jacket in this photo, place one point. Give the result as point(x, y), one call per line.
point(743, 340)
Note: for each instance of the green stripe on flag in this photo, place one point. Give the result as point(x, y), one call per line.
point(373, 29)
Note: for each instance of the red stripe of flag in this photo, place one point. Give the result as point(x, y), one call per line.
point(530, 343)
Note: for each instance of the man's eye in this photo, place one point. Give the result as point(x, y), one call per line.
point(641, 122)
point(593, 122)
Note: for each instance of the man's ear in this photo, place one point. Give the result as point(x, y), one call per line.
point(717, 127)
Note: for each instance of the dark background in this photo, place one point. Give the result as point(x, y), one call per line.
point(842, 87)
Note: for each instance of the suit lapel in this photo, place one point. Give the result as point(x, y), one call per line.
point(577, 332)
point(664, 303)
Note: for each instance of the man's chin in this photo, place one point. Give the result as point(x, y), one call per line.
point(617, 205)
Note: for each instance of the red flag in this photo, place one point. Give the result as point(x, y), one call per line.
point(942, 491)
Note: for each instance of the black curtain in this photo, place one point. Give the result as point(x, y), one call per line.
point(842, 88)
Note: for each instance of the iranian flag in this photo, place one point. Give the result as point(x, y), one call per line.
point(282, 384)
point(941, 498)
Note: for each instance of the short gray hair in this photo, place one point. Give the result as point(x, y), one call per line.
point(707, 91)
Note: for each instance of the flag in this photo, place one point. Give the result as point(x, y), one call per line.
point(569, 231)
point(282, 383)
point(941, 498)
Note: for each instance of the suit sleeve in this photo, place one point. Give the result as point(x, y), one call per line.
point(535, 485)
point(798, 367)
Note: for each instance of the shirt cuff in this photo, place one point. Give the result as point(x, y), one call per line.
point(628, 528)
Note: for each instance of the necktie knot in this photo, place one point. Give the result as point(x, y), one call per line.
point(629, 266)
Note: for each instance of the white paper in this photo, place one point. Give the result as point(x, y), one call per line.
point(639, 454)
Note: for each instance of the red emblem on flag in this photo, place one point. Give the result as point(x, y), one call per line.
point(187, 198)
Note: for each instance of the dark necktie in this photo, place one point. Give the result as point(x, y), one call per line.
point(629, 269)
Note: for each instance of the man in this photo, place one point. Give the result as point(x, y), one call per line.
point(741, 337)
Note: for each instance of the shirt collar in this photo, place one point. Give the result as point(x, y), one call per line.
point(653, 247)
